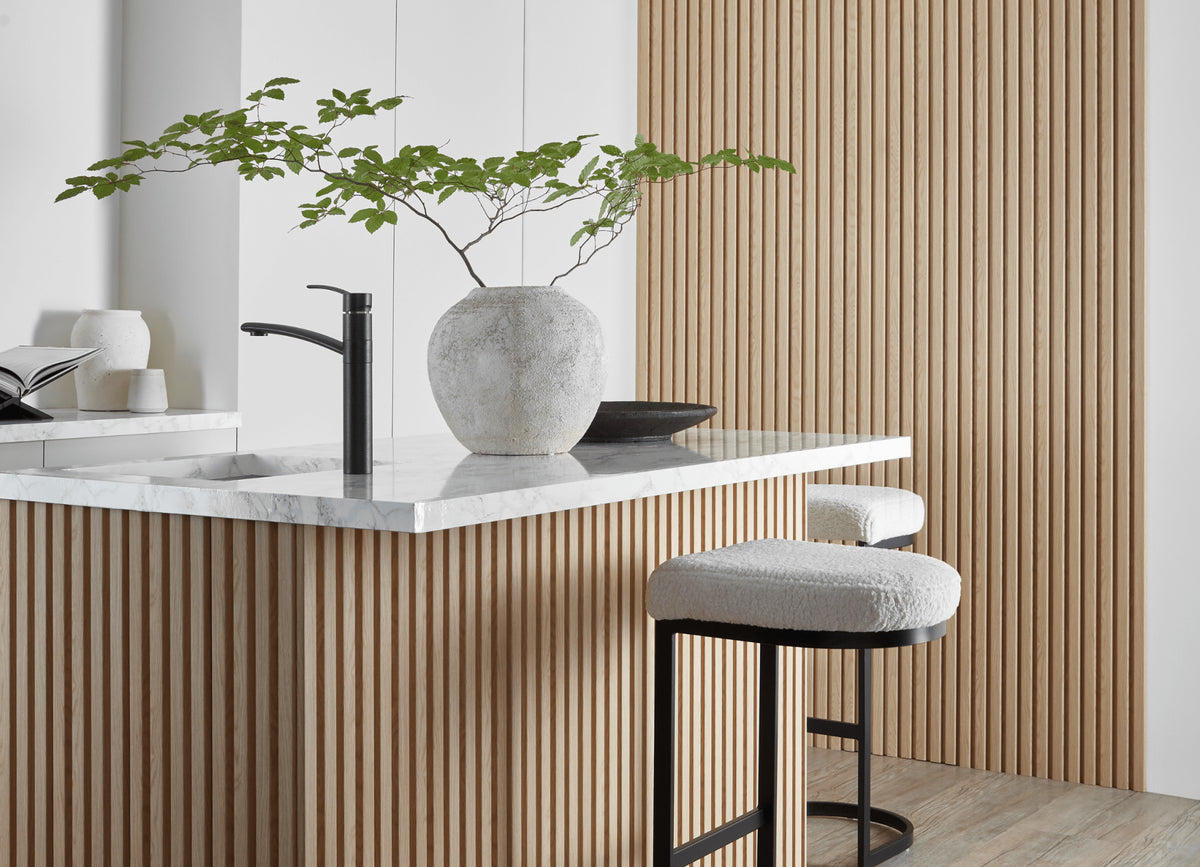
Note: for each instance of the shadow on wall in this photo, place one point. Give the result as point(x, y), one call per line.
point(53, 328)
point(181, 379)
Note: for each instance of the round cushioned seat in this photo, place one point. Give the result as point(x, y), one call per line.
point(810, 586)
point(862, 513)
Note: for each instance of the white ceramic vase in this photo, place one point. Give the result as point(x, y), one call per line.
point(147, 391)
point(102, 382)
point(517, 370)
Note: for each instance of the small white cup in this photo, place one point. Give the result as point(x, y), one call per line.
point(147, 391)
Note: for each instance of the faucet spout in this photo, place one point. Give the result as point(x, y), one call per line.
point(261, 329)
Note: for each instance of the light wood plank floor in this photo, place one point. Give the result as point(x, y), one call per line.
point(965, 817)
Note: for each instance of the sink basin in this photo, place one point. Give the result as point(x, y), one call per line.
point(220, 468)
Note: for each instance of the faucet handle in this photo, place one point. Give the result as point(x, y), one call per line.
point(352, 302)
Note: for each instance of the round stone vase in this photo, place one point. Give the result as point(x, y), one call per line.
point(517, 370)
point(102, 382)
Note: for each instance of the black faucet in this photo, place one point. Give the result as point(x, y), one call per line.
point(355, 349)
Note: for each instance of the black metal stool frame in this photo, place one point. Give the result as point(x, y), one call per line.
point(762, 818)
point(894, 542)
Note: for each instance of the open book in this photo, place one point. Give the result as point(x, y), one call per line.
point(25, 369)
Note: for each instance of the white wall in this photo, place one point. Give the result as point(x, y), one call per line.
point(1172, 398)
point(577, 85)
point(179, 234)
point(57, 117)
point(290, 393)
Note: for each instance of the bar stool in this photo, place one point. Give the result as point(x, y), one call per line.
point(871, 515)
point(779, 593)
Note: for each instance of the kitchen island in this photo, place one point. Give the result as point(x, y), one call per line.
point(254, 659)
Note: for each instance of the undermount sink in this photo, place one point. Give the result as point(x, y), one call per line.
point(220, 468)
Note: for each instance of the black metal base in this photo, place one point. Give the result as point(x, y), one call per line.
point(894, 542)
point(762, 818)
point(12, 409)
point(879, 816)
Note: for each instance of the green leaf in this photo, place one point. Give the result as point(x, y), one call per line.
point(70, 194)
point(612, 150)
point(364, 214)
point(276, 82)
point(587, 170)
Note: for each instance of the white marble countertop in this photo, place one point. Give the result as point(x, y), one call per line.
point(430, 483)
point(75, 423)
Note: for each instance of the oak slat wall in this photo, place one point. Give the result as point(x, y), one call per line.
point(199, 691)
point(959, 257)
point(148, 709)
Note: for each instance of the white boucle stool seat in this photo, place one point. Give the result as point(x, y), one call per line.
point(862, 513)
point(811, 586)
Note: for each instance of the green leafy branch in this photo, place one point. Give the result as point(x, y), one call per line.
point(364, 186)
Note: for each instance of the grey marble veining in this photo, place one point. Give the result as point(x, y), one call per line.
point(430, 483)
point(75, 423)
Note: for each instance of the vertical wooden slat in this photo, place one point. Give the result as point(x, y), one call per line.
point(8, 656)
point(1124, 191)
point(77, 817)
point(1136, 360)
point(1027, 617)
point(157, 670)
point(1043, 408)
point(21, 543)
point(57, 614)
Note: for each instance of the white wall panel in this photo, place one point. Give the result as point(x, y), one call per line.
point(1172, 410)
point(573, 86)
point(291, 392)
point(59, 99)
point(179, 235)
point(460, 61)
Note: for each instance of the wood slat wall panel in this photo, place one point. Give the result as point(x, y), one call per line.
point(194, 691)
point(138, 722)
point(958, 257)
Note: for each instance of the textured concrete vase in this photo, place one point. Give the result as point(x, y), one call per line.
point(517, 370)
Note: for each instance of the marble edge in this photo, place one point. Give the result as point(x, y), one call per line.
point(598, 490)
point(433, 514)
point(110, 424)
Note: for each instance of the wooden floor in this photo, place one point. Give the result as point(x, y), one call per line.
point(965, 817)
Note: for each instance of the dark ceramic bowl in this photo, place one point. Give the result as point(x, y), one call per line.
point(640, 421)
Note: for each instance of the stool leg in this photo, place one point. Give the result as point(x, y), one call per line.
point(768, 725)
point(864, 756)
point(661, 841)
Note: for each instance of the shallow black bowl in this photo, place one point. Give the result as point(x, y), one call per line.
point(639, 421)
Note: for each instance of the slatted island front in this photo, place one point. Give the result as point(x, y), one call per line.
point(252, 659)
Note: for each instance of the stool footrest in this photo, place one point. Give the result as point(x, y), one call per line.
point(834, 728)
point(882, 852)
point(717, 838)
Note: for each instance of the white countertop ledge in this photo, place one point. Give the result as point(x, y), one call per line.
point(75, 423)
point(428, 483)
